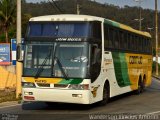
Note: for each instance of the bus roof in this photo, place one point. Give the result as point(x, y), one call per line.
point(74, 17)
point(125, 27)
point(67, 17)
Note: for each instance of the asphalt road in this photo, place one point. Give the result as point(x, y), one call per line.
point(127, 106)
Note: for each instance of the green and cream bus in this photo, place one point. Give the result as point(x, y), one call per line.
point(83, 59)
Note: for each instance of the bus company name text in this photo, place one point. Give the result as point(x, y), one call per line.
point(135, 60)
point(69, 39)
point(40, 81)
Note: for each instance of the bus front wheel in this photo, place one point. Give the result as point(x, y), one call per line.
point(106, 92)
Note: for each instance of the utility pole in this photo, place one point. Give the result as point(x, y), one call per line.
point(140, 15)
point(18, 64)
point(78, 9)
point(156, 35)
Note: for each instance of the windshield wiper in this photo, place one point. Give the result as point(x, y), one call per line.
point(43, 64)
point(61, 68)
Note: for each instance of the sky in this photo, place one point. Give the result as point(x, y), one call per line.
point(144, 3)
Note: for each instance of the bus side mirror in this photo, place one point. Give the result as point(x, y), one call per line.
point(20, 52)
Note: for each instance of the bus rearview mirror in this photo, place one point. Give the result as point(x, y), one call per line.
point(20, 52)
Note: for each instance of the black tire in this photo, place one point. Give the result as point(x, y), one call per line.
point(50, 104)
point(106, 94)
point(140, 87)
point(144, 83)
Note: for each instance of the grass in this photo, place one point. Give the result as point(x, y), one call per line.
point(7, 95)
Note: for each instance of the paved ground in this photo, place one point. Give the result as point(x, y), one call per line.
point(10, 103)
point(147, 103)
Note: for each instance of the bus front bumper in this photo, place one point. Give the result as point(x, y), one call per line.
point(56, 95)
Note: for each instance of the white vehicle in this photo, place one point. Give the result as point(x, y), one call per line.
point(83, 59)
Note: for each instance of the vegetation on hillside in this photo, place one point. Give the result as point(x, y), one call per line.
point(125, 15)
point(7, 19)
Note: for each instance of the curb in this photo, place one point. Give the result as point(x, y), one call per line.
point(158, 78)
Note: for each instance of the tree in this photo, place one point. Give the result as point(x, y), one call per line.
point(25, 20)
point(7, 15)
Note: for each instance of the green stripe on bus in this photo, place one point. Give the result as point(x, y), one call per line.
point(112, 23)
point(76, 81)
point(121, 69)
point(71, 81)
point(64, 81)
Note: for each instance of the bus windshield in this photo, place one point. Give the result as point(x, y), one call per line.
point(57, 60)
point(59, 29)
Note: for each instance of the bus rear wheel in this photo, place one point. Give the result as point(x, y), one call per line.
point(140, 87)
point(106, 92)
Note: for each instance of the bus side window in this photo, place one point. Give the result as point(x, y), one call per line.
point(106, 37)
point(129, 41)
point(95, 62)
point(116, 39)
point(146, 47)
point(125, 41)
point(136, 43)
point(149, 46)
point(121, 37)
point(111, 38)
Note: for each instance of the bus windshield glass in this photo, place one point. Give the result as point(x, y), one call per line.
point(59, 29)
point(57, 60)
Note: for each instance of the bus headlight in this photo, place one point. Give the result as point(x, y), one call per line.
point(79, 86)
point(28, 85)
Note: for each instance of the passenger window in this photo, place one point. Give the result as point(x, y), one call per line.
point(122, 40)
point(106, 37)
point(111, 36)
point(116, 38)
point(136, 43)
point(125, 43)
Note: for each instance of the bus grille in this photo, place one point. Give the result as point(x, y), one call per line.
point(60, 85)
point(43, 85)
